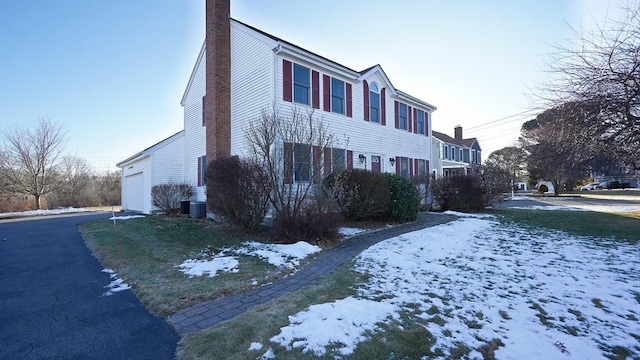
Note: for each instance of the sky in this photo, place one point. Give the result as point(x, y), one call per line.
point(113, 72)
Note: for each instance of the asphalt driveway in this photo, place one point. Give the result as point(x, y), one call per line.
point(52, 302)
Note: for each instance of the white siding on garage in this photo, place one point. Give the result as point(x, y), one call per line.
point(133, 187)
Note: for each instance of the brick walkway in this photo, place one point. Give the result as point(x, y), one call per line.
point(208, 313)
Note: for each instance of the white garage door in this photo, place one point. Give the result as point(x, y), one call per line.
point(134, 192)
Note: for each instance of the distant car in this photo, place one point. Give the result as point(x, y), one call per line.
point(590, 186)
point(613, 185)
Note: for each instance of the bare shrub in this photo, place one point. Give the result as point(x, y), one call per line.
point(473, 192)
point(167, 196)
point(238, 189)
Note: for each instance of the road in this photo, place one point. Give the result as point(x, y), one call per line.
point(52, 302)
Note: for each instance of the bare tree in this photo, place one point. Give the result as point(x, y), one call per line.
point(75, 189)
point(510, 159)
point(557, 145)
point(295, 149)
point(30, 157)
point(602, 68)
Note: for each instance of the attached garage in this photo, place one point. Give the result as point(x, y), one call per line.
point(133, 189)
point(158, 164)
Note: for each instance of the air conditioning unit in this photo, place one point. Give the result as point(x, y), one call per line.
point(198, 209)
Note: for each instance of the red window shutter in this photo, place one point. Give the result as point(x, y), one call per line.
point(327, 161)
point(383, 107)
point(398, 165)
point(199, 170)
point(409, 119)
point(415, 120)
point(365, 91)
point(287, 80)
point(204, 122)
point(315, 89)
point(349, 100)
point(411, 167)
point(288, 163)
point(426, 123)
point(396, 110)
point(416, 166)
point(426, 167)
point(326, 92)
point(349, 160)
point(316, 164)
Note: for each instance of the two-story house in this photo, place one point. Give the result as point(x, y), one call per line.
point(242, 71)
point(454, 155)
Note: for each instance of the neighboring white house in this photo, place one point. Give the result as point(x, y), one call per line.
point(160, 163)
point(454, 155)
point(380, 128)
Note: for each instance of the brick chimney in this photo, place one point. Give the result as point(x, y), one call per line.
point(217, 100)
point(457, 132)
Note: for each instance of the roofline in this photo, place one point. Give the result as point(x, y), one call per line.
point(147, 152)
point(193, 74)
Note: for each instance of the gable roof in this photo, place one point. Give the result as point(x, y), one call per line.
point(450, 140)
point(284, 46)
point(151, 149)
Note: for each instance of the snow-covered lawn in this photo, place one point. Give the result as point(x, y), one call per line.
point(226, 260)
point(543, 294)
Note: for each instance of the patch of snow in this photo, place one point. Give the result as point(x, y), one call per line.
point(41, 212)
point(347, 231)
point(342, 322)
point(268, 355)
point(255, 346)
point(533, 290)
point(468, 215)
point(281, 255)
point(127, 217)
point(211, 267)
point(116, 284)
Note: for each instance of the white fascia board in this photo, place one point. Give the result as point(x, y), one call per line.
point(404, 96)
point(150, 150)
point(193, 74)
point(387, 82)
point(305, 56)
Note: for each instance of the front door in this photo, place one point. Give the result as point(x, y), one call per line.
point(375, 164)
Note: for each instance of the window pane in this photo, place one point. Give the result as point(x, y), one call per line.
point(374, 106)
point(302, 162)
point(420, 122)
point(404, 166)
point(301, 84)
point(337, 96)
point(338, 159)
point(403, 116)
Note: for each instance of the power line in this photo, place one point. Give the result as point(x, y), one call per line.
point(521, 115)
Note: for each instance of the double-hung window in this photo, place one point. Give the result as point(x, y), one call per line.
point(337, 96)
point(302, 162)
point(420, 122)
point(402, 116)
point(338, 157)
point(374, 103)
point(446, 152)
point(301, 84)
point(422, 168)
point(404, 166)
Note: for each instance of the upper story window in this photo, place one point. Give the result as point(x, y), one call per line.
point(460, 155)
point(402, 116)
point(301, 84)
point(420, 122)
point(337, 96)
point(445, 151)
point(374, 103)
